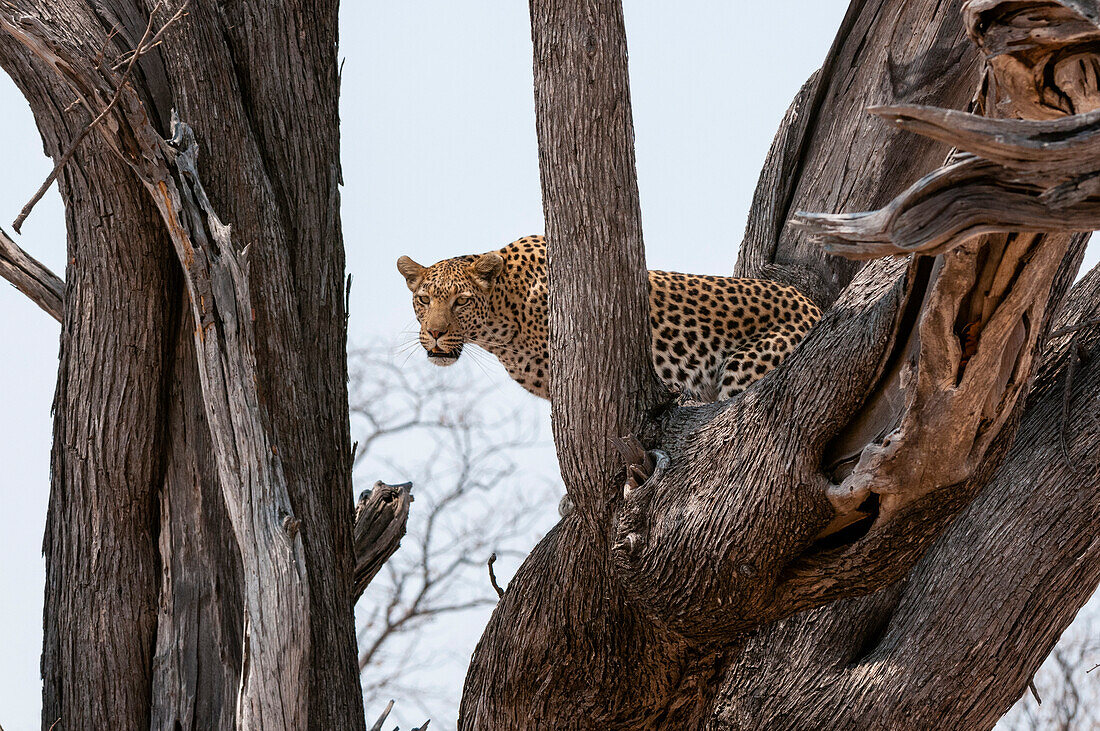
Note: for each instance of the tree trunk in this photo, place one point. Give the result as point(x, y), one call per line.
point(199, 541)
point(821, 552)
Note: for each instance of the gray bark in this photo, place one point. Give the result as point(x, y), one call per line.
point(380, 518)
point(784, 566)
point(259, 85)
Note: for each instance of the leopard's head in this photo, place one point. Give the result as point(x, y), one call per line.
point(451, 301)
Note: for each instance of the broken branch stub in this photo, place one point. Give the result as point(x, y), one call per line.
point(31, 277)
point(381, 515)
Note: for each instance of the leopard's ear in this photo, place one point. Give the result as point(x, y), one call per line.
point(486, 269)
point(412, 272)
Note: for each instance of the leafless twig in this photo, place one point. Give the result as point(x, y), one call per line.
point(459, 448)
point(148, 41)
point(493, 576)
point(1034, 691)
point(1074, 327)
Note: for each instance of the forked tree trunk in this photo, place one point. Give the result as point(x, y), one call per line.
point(857, 541)
point(196, 377)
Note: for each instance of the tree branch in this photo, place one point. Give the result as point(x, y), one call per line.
point(380, 519)
point(604, 382)
point(31, 277)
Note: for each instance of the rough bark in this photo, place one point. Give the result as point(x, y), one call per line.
point(807, 491)
point(597, 275)
point(955, 644)
point(590, 194)
point(259, 85)
point(100, 550)
point(380, 518)
point(30, 277)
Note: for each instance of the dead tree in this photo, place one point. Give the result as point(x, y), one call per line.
point(892, 529)
point(199, 544)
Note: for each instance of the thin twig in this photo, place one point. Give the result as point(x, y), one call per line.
point(143, 47)
point(382, 719)
point(1074, 327)
point(1034, 691)
point(493, 576)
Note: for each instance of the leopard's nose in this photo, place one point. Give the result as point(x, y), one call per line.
point(437, 334)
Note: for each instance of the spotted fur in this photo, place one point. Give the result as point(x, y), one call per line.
point(712, 336)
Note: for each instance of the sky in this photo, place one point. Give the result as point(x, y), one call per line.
point(440, 159)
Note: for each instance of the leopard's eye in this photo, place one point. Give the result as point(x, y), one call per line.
point(423, 299)
point(459, 301)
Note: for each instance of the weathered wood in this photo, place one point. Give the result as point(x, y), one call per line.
point(955, 645)
point(30, 277)
point(1025, 176)
point(380, 518)
point(108, 432)
point(829, 155)
point(197, 667)
point(273, 128)
point(273, 690)
point(757, 515)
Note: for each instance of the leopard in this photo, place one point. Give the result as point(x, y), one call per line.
point(712, 336)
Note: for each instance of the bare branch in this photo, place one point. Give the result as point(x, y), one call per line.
point(31, 277)
point(464, 508)
point(492, 575)
point(380, 518)
point(382, 719)
point(148, 41)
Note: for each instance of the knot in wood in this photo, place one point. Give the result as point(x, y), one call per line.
point(630, 546)
point(291, 525)
point(565, 506)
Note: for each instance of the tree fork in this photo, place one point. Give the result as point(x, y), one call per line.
point(280, 192)
point(744, 527)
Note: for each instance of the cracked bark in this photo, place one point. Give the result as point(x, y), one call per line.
point(792, 566)
point(253, 524)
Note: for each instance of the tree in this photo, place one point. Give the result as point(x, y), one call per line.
point(819, 552)
point(199, 537)
point(874, 550)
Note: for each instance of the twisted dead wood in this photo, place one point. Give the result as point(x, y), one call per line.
point(380, 519)
point(831, 477)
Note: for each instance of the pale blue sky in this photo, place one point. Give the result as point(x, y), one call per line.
point(439, 159)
